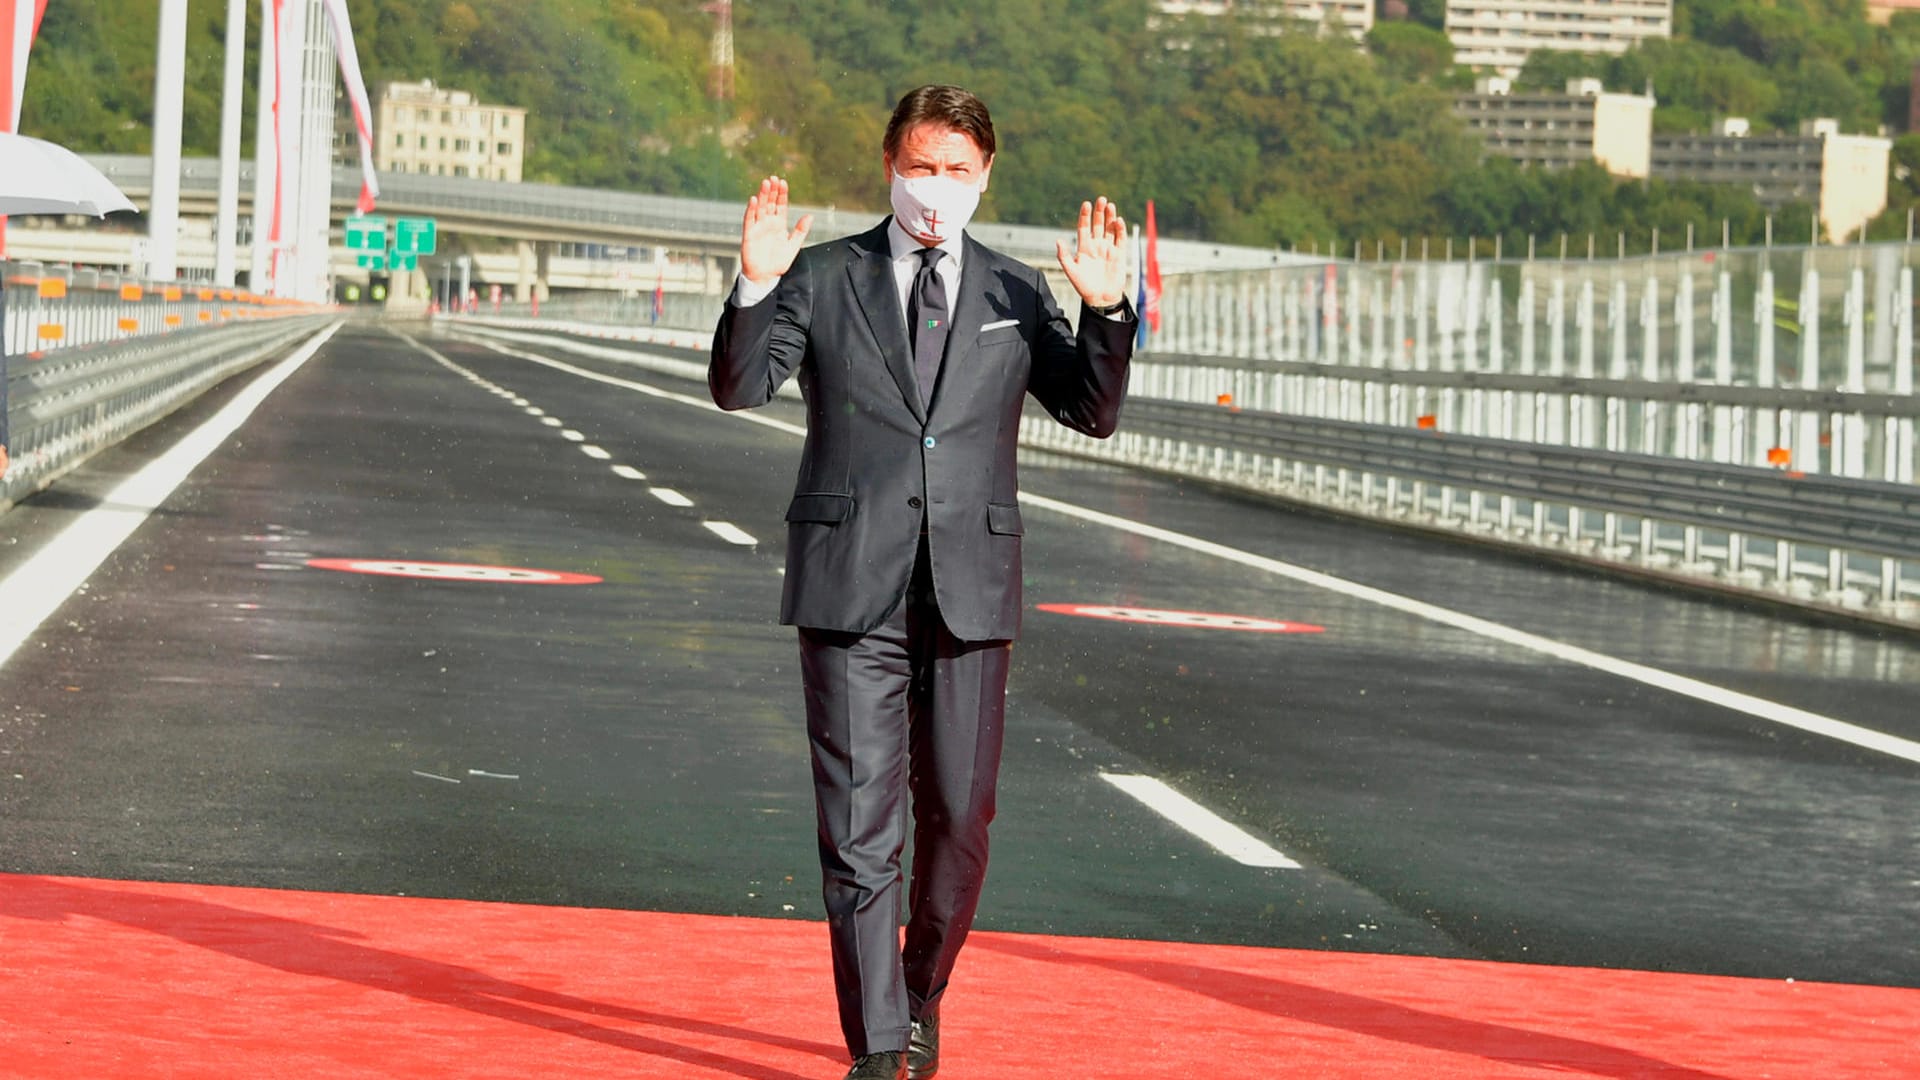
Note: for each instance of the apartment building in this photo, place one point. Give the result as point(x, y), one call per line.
point(1844, 177)
point(421, 128)
point(1557, 131)
point(1355, 16)
point(1500, 34)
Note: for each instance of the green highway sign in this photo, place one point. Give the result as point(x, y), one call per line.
point(373, 262)
point(414, 236)
point(366, 234)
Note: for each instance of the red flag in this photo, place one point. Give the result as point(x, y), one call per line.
point(1152, 270)
point(19, 25)
point(660, 296)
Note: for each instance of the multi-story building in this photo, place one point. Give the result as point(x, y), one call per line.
point(1499, 34)
point(1556, 131)
point(1844, 177)
point(1355, 16)
point(422, 128)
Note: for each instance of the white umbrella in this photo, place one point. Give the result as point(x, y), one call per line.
point(39, 177)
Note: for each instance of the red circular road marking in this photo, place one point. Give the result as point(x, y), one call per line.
point(1204, 620)
point(439, 571)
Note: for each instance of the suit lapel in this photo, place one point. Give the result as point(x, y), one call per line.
point(879, 300)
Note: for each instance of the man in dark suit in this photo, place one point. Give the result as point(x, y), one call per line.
point(915, 347)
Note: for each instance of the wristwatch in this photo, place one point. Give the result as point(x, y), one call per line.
point(1111, 309)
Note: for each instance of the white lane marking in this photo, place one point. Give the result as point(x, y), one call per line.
point(705, 404)
point(573, 436)
point(38, 586)
point(1696, 689)
point(670, 497)
point(628, 472)
point(595, 452)
point(1217, 832)
point(535, 411)
point(435, 776)
point(1759, 708)
point(493, 775)
point(517, 400)
point(553, 421)
point(729, 532)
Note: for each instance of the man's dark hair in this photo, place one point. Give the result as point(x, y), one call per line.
point(945, 106)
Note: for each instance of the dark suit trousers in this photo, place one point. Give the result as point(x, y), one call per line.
point(905, 709)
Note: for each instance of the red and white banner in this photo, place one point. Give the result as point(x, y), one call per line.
point(19, 24)
point(349, 58)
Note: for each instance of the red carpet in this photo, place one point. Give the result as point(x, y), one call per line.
point(112, 979)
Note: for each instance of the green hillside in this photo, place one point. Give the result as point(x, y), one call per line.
point(1295, 138)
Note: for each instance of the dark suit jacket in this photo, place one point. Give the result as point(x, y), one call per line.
point(876, 464)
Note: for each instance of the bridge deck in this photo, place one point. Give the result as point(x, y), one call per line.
point(213, 709)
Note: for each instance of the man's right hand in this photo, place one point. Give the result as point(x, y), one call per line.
point(767, 248)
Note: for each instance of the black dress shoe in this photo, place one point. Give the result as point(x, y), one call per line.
point(923, 1049)
point(885, 1065)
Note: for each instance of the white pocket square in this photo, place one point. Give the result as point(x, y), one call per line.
point(1002, 324)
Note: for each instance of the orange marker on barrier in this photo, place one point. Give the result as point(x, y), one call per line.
point(131, 292)
point(173, 320)
point(226, 294)
point(1428, 422)
point(129, 325)
point(206, 316)
point(52, 288)
point(173, 293)
point(53, 331)
point(1223, 399)
point(204, 295)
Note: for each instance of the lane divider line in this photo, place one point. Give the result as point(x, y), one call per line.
point(573, 436)
point(670, 497)
point(731, 533)
point(595, 452)
point(37, 587)
point(1697, 689)
point(553, 421)
point(1215, 831)
point(628, 472)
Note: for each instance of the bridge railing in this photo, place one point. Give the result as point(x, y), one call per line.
point(87, 358)
point(1683, 417)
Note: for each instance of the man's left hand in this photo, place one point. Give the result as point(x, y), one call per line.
point(1097, 267)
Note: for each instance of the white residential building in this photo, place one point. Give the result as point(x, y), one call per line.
point(1500, 34)
point(422, 128)
point(1355, 16)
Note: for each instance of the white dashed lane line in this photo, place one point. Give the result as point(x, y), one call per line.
point(595, 452)
point(573, 436)
point(628, 472)
point(1217, 832)
point(670, 497)
point(552, 421)
point(731, 533)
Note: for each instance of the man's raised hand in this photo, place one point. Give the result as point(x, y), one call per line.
point(767, 247)
point(1097, 267)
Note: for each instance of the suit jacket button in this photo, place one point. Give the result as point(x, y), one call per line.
point(927, 442)
point(913, 501)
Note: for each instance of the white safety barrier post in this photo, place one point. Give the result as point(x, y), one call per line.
point(1900, 441)
point(1806, 448)
point(1766, 432)
point(1725, 439)
point(1551, 424)
point(1851, 430)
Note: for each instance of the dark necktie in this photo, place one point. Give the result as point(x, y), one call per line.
point(927, 319)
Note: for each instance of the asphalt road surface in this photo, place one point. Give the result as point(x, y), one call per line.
point(211, 706)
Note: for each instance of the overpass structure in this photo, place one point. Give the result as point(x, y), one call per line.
point(535, 217)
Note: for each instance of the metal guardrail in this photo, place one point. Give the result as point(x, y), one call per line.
point(1818, 541)
point(64, 406)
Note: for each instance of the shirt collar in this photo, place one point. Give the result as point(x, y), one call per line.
point(900, 245)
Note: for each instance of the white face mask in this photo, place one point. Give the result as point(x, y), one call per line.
point(933, 208)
